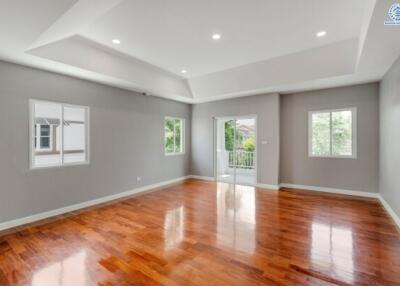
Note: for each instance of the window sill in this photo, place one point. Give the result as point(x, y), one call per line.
point(36, 168)
point(174, 154)
point(332, 157)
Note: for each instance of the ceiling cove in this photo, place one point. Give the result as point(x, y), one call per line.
point(197, 51)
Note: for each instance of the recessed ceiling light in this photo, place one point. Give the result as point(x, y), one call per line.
point(216, 36)
point(321, 34)
point(183, 71)
point(116, 41)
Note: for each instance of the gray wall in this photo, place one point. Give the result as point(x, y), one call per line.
point(352, 174)
point(127, 140)
point(126, 133)
point(266, 107)
point(389, 171)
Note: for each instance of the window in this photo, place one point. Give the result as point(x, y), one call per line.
point(174, 136)
point(332, 133)
point(42, 137)
point(59, 134)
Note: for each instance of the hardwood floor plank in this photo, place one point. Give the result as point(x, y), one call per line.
point(206, 233)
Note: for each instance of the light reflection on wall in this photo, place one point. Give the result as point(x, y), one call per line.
point(70, 271)
point(173, 227)
point(332, 251)
point(236, 217)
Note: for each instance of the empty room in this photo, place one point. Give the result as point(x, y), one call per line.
point(199, 142)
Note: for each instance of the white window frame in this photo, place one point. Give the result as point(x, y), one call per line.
point(32, 134)
point(353, 139)
point(182, 136)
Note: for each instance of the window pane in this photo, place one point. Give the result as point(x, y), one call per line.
point(229, 133)
point(45, 130)
point(45, 142)
point(169, 135)
point(178, 124)
point(342, 133)
point(74, 134)
point(44, 153)
point(321, 134)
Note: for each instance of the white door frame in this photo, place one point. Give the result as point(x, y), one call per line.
point(215, 133)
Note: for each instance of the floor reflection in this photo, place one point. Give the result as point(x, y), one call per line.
point(332, 251)
point(206, 233)
point(236, 217)
point(173, 227)
point(70, 271)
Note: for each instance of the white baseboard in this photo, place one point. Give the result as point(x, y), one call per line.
point(267, 186)
point(203, 178)
point(331, 190)
point(389, 209)
point(71, 208)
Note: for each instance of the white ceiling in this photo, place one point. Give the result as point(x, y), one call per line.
point(176, 34)
point(266, 46)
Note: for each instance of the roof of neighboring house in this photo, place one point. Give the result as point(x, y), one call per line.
point(246, 130)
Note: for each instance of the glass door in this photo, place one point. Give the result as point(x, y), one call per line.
point(235, 150)
point(245, 151)
point(225, 134)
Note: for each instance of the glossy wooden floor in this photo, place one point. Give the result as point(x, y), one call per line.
point(203, 233)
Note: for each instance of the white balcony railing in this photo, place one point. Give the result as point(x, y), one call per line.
point(242, 160)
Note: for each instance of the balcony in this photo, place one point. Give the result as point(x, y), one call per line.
point(243, 161)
